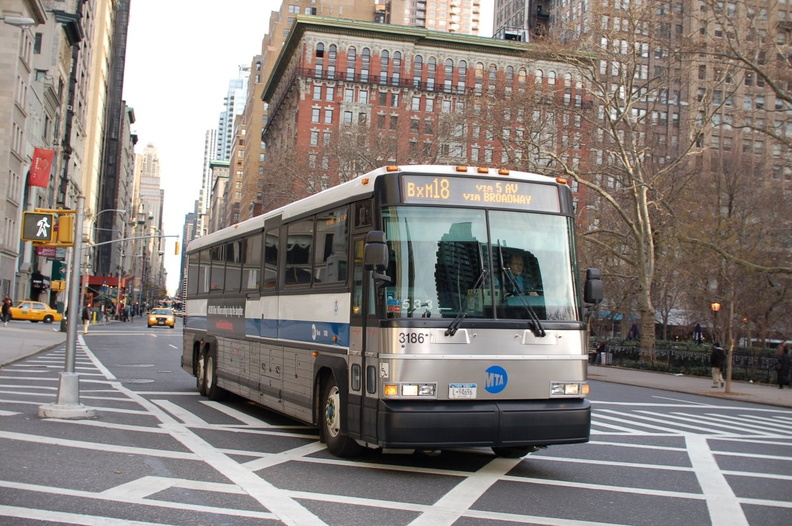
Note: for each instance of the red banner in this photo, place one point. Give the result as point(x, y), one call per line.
point(41, 168)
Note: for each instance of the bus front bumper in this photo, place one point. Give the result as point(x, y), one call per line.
point(508, 423)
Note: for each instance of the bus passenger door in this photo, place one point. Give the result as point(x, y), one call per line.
point(363, 382)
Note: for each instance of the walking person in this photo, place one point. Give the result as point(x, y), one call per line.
point(6, 312)
point(783, 366)
point(717, 361)
point(86, 318)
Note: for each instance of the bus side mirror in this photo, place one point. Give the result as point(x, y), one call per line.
point(376, 255)
point(593, 292)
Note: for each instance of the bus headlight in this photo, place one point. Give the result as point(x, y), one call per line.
point(569, 389)
point(410, 390)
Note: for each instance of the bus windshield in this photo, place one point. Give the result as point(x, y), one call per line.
point(487, 264)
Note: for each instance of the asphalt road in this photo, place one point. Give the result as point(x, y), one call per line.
point(158, 453)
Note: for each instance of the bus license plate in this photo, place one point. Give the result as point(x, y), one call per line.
point(461, 390)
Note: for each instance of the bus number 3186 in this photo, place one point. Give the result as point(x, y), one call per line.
point(413, 337)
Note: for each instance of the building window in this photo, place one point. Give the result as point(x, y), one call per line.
point(349, 95)
point(330, 93)
point(363, 96)
point(314, 141)
point(351, 58)
point(317, 92)
point(328, 116)
point(314, 114)
point(394, 122)
point(347, 118)
point(416, 104)
point(417, 71)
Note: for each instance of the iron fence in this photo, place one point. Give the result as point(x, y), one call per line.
point(757, 365)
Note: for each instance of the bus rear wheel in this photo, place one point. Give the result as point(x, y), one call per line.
point(338, 443)
point(213, 391)
point(200, 372)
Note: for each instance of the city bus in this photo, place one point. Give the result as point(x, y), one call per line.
point(387, 312)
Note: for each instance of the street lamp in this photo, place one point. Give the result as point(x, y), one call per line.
point(18, 21)
point(715, 306)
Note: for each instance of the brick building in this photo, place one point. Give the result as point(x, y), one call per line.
point(348, 96)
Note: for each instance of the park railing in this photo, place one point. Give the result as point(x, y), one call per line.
point(757, 365)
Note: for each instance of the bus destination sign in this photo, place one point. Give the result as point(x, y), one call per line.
point(436, 189)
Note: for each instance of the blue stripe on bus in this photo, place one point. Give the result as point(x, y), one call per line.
point(303, 331)
point(315, 331)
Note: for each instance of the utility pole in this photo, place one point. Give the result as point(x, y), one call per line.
point(68, 405)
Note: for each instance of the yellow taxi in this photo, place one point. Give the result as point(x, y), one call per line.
point(35, 311)
point(161, 317)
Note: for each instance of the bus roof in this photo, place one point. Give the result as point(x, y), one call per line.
point(361, 185)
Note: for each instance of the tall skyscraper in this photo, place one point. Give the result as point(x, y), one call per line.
point(204, 199)
point(233, 105)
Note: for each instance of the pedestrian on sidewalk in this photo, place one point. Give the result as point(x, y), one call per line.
point(717, 361)
point(783, 366)
point(6, 312)
point(86, 318)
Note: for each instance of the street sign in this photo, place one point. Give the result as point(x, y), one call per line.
point(37, 226)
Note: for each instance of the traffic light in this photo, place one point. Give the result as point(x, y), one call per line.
point(37, 226)
point(65, 229)
point(176, 249)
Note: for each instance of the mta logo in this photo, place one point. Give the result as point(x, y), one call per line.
point(496, 379)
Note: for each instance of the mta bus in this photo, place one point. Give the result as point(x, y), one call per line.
point(391, 312)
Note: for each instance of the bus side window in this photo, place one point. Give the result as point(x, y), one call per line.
point(363, 214)
point(217, 274)
point(270, 260)
point(233, 274)
point(332, 242)
point(203, 272)
point(251, 261)
point(193, 267)
point(299, 245)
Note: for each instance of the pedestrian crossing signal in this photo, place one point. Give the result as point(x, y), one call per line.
point(37, 226)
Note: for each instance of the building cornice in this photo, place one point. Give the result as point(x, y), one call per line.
point(389, 32)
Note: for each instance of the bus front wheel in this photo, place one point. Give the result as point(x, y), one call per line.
point(338, 443)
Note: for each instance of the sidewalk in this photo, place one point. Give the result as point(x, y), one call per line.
point(22, 339)
point(741, 391)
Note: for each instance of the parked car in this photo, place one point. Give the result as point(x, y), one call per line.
point(162, 318)
point(35, 311)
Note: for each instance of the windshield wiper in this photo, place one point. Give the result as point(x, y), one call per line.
point(536, 325)
point(454, 327)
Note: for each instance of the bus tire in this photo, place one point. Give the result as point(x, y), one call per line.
point(338, 443)
point(512, 452)
point(200, 372)
point(213, 391)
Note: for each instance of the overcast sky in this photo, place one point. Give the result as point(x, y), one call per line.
point(180, 57)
